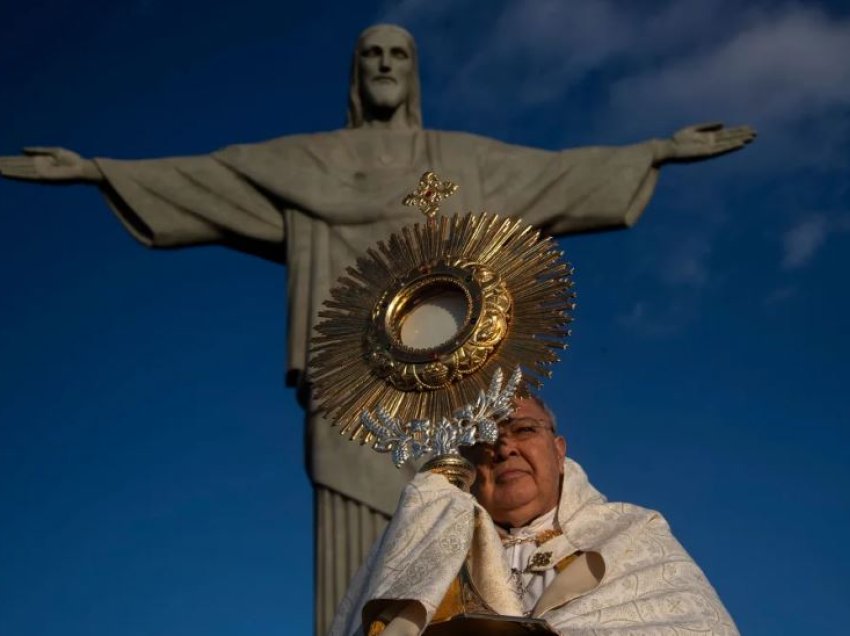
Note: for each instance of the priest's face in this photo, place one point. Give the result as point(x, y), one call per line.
point(519, 478)
point(386, 62)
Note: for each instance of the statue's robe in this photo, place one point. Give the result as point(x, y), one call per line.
point(619, 568)
point(315, 202)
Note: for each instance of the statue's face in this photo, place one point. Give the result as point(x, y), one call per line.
point(385, 62)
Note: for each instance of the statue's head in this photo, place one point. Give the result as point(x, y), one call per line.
point(384, 78)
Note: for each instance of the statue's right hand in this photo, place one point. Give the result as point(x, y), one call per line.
point(49, 164)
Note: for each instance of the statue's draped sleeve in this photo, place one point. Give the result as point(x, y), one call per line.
point(199, 200)
point(581, 190)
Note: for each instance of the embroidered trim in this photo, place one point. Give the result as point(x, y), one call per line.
point(539, 539)
point(540, 560)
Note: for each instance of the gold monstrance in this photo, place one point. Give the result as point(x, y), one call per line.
point(410, 352)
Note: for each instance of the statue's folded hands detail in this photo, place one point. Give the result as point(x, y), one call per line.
point(315, 202)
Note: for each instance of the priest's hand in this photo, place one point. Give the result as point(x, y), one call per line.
point(56, 165)
point(703, 141)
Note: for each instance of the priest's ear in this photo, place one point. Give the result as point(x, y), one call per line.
point(561, 446)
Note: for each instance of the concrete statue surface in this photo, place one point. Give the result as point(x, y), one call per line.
point(314, 202)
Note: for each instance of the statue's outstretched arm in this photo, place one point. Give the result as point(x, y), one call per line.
point(167, 202)
point(702, 141)
point(55, 165)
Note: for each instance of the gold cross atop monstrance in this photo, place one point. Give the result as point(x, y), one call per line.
point(429, 193)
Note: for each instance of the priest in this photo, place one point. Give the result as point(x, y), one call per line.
point(533, 539)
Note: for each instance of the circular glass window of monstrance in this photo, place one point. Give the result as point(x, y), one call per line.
point(433, 318)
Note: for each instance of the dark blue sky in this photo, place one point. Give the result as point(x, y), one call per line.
point(151, 476)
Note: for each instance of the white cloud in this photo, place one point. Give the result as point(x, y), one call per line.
point(536, 50)
point(531, 50)
point(644, 70)
point(801, 242)
point(765, 59)
point(791, 65)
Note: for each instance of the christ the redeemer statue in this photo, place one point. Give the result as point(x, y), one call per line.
point(315, 202)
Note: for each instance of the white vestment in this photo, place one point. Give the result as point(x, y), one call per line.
point(631, 575)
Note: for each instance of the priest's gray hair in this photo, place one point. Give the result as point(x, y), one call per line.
point(549, 413)
point(412, 105)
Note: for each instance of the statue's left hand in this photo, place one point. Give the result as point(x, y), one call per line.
point(703, 141)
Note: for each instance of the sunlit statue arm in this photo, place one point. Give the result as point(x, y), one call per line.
point(59, 165)
point(692, 143)
point(702, 141)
